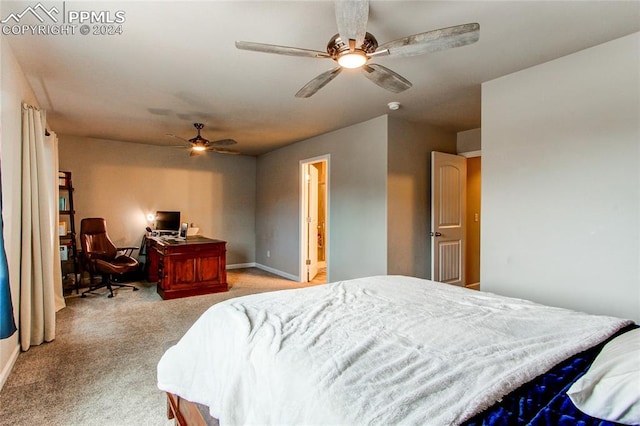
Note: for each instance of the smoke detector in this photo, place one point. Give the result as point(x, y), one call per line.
point(393, 106)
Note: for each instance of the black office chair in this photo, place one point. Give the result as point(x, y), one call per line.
point(101, 256)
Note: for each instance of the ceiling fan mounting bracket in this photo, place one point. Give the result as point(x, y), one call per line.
point(337, 47)
point(199, 142)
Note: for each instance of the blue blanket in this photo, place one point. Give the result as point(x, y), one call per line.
point(544, 401)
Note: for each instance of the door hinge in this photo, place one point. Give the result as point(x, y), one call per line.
point(308, 261)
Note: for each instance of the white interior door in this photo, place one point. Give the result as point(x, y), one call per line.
point(312, 222)
point(448, 205)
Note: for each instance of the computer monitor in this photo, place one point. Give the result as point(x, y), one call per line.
point(168, 221)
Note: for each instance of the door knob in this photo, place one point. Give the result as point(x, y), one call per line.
point(435, 234)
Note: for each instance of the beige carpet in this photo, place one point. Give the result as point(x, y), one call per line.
point(101, 368)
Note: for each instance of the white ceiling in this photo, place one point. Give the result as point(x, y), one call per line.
point(175, 64)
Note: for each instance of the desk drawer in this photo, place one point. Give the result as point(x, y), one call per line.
point(188, 271)
point(193, 250)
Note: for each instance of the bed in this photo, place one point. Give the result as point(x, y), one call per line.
point(380, 350)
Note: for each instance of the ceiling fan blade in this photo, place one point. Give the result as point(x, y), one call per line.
point(178, 137)
point(223, 151)
point(223, 142)
point(385, 78)
point(433, 41)
point(280, 50)
point(352, 17)
point(318, 83)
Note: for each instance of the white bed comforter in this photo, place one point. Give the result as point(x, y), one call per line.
point(384, 350)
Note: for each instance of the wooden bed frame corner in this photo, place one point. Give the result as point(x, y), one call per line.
point(185, 413)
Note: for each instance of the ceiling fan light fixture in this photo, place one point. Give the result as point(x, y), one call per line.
point(199, 148)
point(354, 59)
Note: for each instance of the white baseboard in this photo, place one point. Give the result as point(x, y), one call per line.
point(264, 268)
point(278, 272)
point(4, 374)
point(242, 265)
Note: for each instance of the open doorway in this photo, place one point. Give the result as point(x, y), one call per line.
point(474, 179)
point(314, 200)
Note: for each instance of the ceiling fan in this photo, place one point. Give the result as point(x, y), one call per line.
point(353, 47)
point(199, 145)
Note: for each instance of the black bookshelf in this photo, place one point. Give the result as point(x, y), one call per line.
point(68, 240)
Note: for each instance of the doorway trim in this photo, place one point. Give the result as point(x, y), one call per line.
point(326, 158)
point(470, 154)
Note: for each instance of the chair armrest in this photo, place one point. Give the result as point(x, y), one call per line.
point(127, 250)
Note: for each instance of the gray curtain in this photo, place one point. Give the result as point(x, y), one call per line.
point(40, 277)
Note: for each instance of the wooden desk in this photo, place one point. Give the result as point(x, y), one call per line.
point(188, 267)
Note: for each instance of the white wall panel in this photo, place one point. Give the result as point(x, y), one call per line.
point(561, 181)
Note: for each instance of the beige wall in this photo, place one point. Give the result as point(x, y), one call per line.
point(409, 194)
point(357, 202)
point(561, 181)
point(469, 141)
point(123, 182)
point(379, 198)
point(15, 90)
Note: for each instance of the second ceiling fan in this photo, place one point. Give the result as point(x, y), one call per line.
point(353, 47)
point(199, 145)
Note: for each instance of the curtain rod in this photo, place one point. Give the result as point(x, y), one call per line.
point(27, 106)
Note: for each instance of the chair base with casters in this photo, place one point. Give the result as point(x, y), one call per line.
point(107, 282)
point(118, 266)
